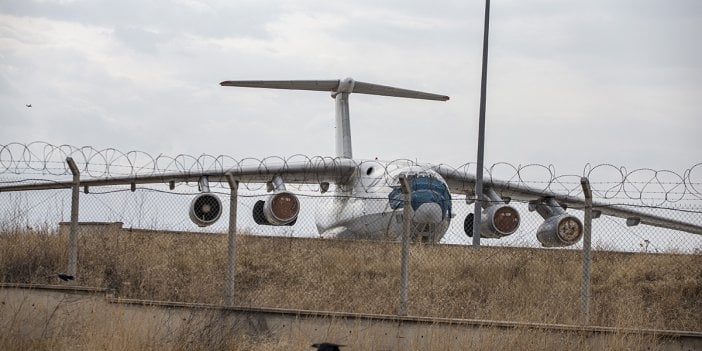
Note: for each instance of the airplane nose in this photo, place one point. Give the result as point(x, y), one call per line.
point(431, 200)
point(428, 212)
point(427, 206)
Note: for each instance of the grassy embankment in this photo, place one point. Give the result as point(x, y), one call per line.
point(662, 291)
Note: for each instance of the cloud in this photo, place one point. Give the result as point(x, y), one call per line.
point(569, 83)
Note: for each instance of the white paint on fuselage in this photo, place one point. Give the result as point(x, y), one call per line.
point(360, 209)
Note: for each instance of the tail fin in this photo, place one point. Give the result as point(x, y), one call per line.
point(340, 90)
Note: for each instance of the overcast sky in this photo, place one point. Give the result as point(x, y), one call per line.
point(570, 82)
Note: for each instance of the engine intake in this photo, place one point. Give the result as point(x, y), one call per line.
point(559, 231)
point(279, 209)
point(497, 220)
point(205, 209)
point(559, 228)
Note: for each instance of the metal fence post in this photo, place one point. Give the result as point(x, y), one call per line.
point(231, 241)
point(404, 259)
point(587, 242)
point(73, 234)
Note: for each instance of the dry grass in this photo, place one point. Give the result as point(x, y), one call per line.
point(640, 290)
point(96, 325)
point(85, 325)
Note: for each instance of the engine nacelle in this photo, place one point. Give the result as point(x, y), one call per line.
point(280, 208)
point(497, 221)
point(205, 209)
point(560, 230)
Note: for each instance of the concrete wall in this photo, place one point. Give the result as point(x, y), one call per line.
point(35, 312)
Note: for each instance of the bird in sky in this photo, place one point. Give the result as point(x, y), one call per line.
point(327, 346)
point(28, 105)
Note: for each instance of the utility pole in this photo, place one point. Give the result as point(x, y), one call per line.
point(481, 134)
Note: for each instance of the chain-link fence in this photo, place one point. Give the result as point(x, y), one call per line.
point(139, 242)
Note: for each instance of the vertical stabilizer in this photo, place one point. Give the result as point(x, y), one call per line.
point(343, 118)
point(340, 91)
point(343, 126)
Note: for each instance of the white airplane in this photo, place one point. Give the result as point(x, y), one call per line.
point(366, 199)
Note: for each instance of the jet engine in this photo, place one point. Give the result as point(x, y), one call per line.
point(497, 220)
point(205, 209)
point(280, 208)
point(559, 228)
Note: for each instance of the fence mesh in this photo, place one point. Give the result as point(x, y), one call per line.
point(141, 244)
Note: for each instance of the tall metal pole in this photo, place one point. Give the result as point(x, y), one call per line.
point(481, 134)
point(231, 241)
point(73, 234)
point(587, 242)
point(404, 259)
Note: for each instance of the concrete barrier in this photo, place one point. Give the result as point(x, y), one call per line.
point(39, 311)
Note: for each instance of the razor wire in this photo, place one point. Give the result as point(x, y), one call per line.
point(47, 162)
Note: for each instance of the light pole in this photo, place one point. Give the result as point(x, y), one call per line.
point(481, 134)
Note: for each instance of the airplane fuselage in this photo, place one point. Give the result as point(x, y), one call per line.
point(371, 204)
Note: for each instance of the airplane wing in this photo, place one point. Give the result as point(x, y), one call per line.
point(460, 181)
point(280, 208)
point(316, 170)
point(340, 171)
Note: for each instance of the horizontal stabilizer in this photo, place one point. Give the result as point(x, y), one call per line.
point(376, 89)
point(347, 85)
point(318, 85)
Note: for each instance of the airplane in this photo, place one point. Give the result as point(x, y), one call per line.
point(366, 199)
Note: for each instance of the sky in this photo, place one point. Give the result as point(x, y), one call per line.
point(569, 83)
